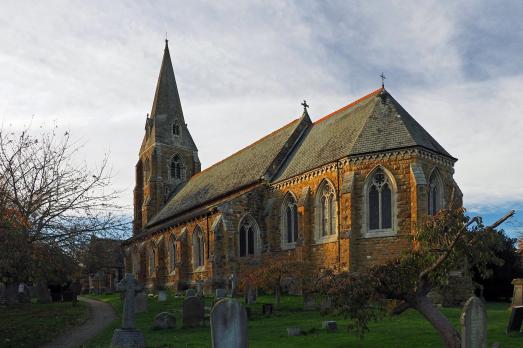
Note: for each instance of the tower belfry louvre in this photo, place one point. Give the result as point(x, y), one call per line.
point(348, 189)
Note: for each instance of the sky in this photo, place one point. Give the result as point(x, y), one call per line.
point(243, 68)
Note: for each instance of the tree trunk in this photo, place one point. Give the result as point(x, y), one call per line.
point(440, 322)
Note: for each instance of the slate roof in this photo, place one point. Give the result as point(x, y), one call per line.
point(241, 169)
point(373, 123)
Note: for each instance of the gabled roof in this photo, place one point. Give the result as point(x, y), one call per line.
point(373, 123)
point(241, 169)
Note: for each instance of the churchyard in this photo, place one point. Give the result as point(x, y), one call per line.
point(406, 330)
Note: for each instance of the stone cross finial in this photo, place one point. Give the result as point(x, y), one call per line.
point(131, 287)
point(305, 105)
point(382, 80)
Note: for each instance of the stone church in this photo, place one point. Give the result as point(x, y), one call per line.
point(345, 190)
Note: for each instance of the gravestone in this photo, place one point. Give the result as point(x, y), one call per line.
point(294, 331)
point(164, 320)
point(325, 305)
point(162, 296)
point(43, 294)
point(309, 302)
point(11, 293)
point(220, 293)
point(23, 293)
point(199, 289)
point(517, 296)
point(267, 309)
point(516, 318)
point(190, 293)
point(474, 324)
point(193, 311)
point(250, 295)
point(140, 302)
point(234, 282)
point(3, 299)
point(229, 324)
point(128, 336)
point(330, 326)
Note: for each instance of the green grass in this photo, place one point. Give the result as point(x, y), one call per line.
point(406, 330)
point(32, 324)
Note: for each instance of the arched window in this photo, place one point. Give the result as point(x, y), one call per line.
point(197, 247)
point(176, 127)
point(289, 215)
point(176, 168)
point(249, 237)
point(435, 193)
point(380, 201)
point(326, 216)
point(151, 261)
point(172, 254)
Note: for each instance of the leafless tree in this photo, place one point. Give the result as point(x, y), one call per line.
point(61, 200)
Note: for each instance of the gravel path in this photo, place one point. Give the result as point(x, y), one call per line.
point(102, 314)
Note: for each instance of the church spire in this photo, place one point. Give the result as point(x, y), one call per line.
point(166, 99)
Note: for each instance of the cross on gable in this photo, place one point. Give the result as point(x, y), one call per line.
point(382, 80)
point(305, 105)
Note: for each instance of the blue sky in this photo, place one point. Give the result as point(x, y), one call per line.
point(243, 69)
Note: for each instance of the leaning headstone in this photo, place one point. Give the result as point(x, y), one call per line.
point(164, 320)
point(517, 295)
point(294, 331)
point(193, 311)
point(162, 296)
point(190, 293)
point(220, 293)
point(128, 336)
point(474, 324)
point(229, 325)
point(330, 326)
point(516, 319)
point(43, 294)
point(140, 303)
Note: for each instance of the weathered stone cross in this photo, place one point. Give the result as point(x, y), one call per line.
point(131, 287)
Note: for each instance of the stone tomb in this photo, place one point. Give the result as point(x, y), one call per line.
point(229, 324)
point(474, 324)
point(517, 296)
point(193, 311)
point(516, 319)
point(140, 302)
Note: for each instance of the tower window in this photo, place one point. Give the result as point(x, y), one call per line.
point(176, 168)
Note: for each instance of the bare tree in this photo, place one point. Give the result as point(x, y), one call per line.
point(60, 202)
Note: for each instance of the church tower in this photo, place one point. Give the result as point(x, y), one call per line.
point(168, 155)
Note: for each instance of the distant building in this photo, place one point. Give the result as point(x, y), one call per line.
point(103, 264)
point(347, 190)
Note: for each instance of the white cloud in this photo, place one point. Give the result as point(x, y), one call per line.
point(243, 68)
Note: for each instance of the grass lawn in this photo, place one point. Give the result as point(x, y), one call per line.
point(406, 330)
point(32, 324)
